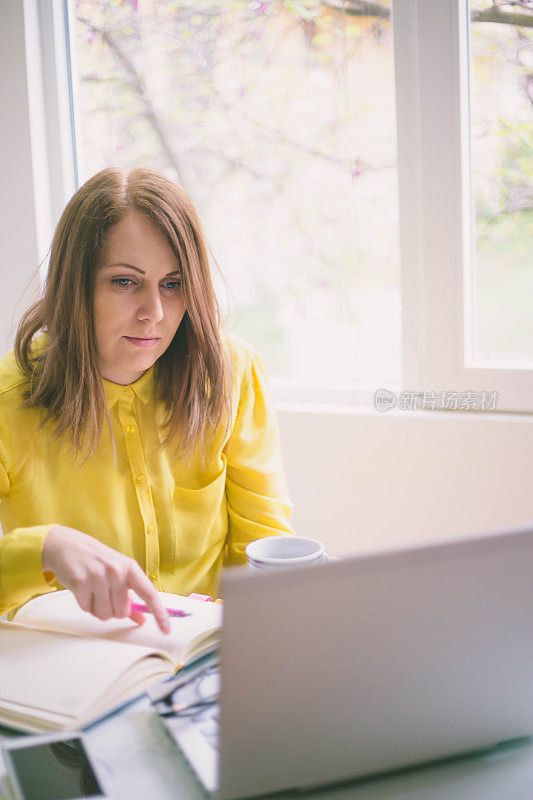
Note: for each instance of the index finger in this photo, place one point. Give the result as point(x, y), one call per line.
point(142, 586)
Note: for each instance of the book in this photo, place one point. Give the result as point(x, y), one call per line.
point(61, 667)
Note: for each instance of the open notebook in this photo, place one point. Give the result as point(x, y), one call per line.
point(60, 667)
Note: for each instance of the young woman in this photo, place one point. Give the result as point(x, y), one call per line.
point(138, 446)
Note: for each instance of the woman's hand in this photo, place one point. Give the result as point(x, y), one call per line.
point(98, 576)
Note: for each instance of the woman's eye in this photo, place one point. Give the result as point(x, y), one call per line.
point(122, 283)
point(125, 283)
point(173, 286)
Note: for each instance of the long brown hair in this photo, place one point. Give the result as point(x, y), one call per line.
point(192, 377)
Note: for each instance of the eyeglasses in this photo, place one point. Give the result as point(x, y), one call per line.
point(197, 690)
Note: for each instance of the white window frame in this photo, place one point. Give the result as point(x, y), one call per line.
point(432, 66)
point(53, 114)
point(431, 73)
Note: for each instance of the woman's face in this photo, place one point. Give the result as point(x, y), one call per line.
point(138, 303)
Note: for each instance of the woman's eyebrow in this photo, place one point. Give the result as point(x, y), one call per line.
point(138, 269)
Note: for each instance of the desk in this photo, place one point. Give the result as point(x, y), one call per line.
point(139, 761)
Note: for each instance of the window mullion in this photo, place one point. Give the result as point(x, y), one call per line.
point(408, 121)
point(443, 176)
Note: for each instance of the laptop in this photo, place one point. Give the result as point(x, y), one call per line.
point(365, 665)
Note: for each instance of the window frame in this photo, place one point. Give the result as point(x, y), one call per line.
point(53, 113)
point(431, 75)
point(432, 69)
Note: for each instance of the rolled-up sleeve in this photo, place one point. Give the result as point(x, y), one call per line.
point(21, 574)
point(256, 491)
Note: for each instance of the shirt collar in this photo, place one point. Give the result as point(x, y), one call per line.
point(143, 388)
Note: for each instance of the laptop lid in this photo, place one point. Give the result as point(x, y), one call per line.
point(376, 662)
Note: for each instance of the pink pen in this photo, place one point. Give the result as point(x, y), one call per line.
point(172, 612)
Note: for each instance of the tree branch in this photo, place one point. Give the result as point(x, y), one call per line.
point(505, 17)
point(138, 85)
point(360, 8)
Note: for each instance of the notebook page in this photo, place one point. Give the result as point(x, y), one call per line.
point(60, 611)
point(57, 673)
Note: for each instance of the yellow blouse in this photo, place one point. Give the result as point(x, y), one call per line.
point(179, 522)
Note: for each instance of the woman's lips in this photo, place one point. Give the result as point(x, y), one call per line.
point(142, 342)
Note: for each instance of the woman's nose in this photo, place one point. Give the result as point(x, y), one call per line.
point(151, 308)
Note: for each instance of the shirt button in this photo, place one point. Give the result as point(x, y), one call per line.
point(126, 392)
point(140, 478)
point(130, 429)
point(150, 529)
point(152, 576)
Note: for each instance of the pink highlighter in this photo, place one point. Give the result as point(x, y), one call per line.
point(172, 612)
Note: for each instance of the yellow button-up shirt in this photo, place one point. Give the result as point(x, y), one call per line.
point(179, 521)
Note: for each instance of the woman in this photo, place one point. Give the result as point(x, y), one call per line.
point(138, 447)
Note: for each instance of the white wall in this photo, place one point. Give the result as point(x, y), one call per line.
point(362, 480)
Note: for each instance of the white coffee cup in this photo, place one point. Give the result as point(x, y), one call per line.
point(282, 552)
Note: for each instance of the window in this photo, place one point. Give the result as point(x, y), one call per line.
point(326, 142)
point(279, 119)
point(436, 136)
point(501, 58)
